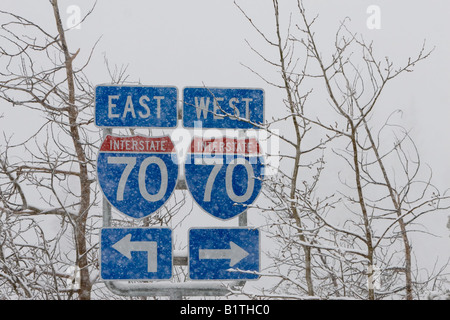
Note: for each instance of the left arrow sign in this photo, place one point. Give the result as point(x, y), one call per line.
point(136, 253)
point(125, 246)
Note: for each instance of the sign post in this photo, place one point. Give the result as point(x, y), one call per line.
point(138, 174)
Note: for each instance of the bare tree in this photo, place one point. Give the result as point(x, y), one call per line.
point(378, 204)
point(355, 100)
point(57, 161)
point(293, 190)
point(50, 176)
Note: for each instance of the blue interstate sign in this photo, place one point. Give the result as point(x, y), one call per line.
point(136, 253)
point(223, 108)
point(224, 175)
point(137, 174)
point(224, 254)
point(136, 106)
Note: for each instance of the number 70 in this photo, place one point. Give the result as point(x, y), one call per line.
point(130, 164)
point(229, 180)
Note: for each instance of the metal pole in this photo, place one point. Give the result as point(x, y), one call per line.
point(243, 215)
point(106, 206)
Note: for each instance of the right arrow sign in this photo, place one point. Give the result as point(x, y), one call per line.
point(234, 254)
point(223, 253)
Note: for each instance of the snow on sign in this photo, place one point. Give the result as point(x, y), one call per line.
point(223, 253)
point(137, 174)
point(222, 108)
point(136, 106)
point(136, 253)
point(224, 175)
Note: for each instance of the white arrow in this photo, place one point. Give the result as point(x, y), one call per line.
point(235, 253)
point(125, 246)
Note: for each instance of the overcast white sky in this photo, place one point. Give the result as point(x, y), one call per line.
point(190, 43)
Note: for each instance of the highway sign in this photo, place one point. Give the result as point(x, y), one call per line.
point(136, 106)
point(137, 174)
point(223, 108)
point(224, 175)
point(224, 253)
point(136, 253)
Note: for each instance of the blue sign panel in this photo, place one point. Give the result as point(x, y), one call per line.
point(223, 108)
point(224, 175)
point(224, 254)
point(136, 253)
point(137, 174)
point(136, 106)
